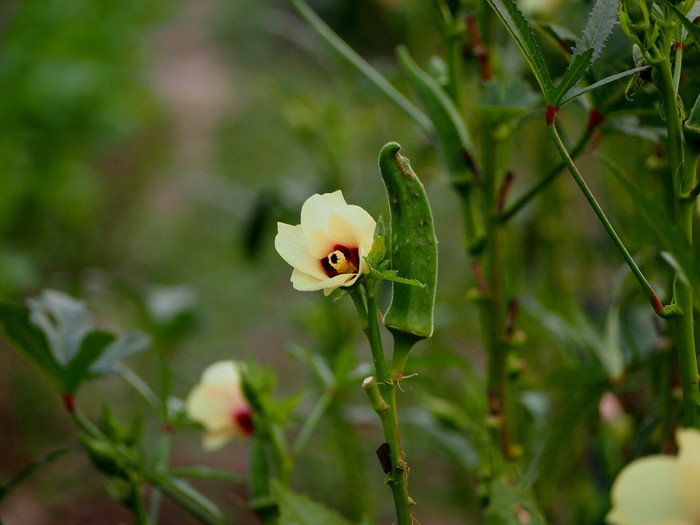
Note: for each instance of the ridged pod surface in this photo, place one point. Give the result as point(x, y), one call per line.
point(413, 246)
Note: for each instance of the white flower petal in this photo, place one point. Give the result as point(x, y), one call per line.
point(221, 372)
point(689, 465)
point(352, 226)
point(307, 283)
point(319, 244)
point(317, 208)
point(647, 492)
point(211, 406)
point(292, 245)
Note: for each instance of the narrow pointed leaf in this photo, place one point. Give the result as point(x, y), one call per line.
point(126, 346)
point(573, 74)
point(524, 37)
point(191, 500)
point(361, 64)
point(575, 92)
point(600, 24)
point(452, 137)
point(413, 246)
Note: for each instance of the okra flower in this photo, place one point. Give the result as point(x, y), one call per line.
point(327, 249)
point(660, 490)
point(219, 404)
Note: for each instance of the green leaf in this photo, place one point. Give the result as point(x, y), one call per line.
point(500, 102)
point(413, 246)
point(575, 92)
point(297, 509)
point(452, 138)
point(191, 500)
point(600, 24)
point(690, 27)
point(77, 370)
point(121, 348)
point(524, 37)
point(64, 320)
point(574, 73)
point(27, 338)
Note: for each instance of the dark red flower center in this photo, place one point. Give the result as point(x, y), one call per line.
point(244, 419)
point(341, 260)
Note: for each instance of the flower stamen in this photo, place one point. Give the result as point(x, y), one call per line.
point(342, 260)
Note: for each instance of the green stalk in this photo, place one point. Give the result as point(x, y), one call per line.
point(682, 325)
point(578, 178)
point(492, 311)
point(381, 391)
point(161, 461)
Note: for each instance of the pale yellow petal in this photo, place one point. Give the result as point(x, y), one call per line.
point(351, 226)
point(647, 493)
point(211, 406)
point(221, 372)
point(307, 283)
point(292, 245)
point(319, 244)
point(317, 208)
point(689, 465)
point(215, 440)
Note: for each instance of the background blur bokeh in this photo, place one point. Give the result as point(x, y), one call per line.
point(147, 150)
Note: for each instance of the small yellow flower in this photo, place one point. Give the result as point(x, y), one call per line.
point(327, 249)
point(660, 490)
point(218, 403)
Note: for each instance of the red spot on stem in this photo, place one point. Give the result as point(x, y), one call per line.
point(679, 45)
point(551, 111)
point(69, 402)
point(505, 189)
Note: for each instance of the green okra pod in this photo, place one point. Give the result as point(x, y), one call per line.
point(413, 246)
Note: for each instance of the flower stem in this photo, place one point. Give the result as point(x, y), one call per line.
point(381, 391)
point(646, 287)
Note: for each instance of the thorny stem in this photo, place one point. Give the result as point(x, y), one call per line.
point(682, 325)
point(381, 391)
point(578, 178)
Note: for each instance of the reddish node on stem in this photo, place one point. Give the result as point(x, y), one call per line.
point(595, 119)
point(479, 49)
point(69, 402)
point(479, 276)
point(551, 111)
point(679, 45)
point(168, 428)
point(655, 303)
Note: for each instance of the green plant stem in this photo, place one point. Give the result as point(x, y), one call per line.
point(682, 325)
point(361, 65)
point(492, 305)
point(578, 178)
point(552, 174)
point(381, 391)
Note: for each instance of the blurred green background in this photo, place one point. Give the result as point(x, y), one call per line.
point(147, 150)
